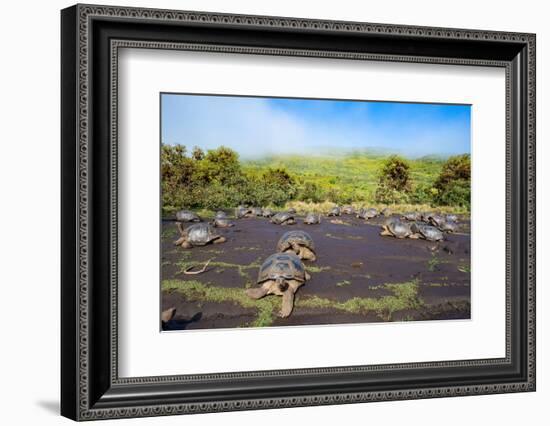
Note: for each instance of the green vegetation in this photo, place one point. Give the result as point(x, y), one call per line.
point(464, 268)
point(404, 296)
point(199, 292)
point(316, 269)
point(241, 269)
point(433, 262)
point(394, 182)
point(218, 179)
point(453, 183)
point(169, 233)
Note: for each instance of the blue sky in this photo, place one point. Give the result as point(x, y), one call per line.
point(257, 127)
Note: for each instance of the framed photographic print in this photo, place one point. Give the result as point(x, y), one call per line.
point(263, 212)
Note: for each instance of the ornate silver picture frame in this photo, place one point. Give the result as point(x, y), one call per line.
point(91, 39)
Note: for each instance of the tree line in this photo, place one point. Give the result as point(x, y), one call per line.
point(215, 179)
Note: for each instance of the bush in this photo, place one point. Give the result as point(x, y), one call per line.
point(219, 196)
point(215, 180)
point(395, 174)
point(453, 183)
point(219, 165)
point(210, 180)
point(197, 154)
point(456, 193)
point(422, 194)
point(276, 187)
point(311, 192)
point(394, 181)
point(176, 168)
point(388, 195)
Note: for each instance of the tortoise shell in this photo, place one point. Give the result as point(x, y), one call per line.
point(222, 222)
point(430, 233)
point(348, 210)
point(220, 214)
point(449, 226)
point(301, 238)
point(187, 216)
point(372, 212)
point(281, 217)
point(287, 266)
point(367, 213)
point(256, 211)
point(312, 218)
point(436, 220)
point(335, 211)
point(241, 212)
point(399, 229)
point(451, 218)
point(425, 216)
point(412, 216)
point(267, 212)
point(200, 234)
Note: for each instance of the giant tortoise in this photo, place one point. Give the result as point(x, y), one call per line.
point(281, 274)
point(199, 234)
point(283, 218)
point(297, 242)
point(312, 218)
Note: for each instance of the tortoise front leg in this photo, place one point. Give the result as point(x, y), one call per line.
point(288, 303)
point(385, 231)
point(257, 292)
point(307, 254)
point(219, 240)
point(181, 239)
point(168, 314)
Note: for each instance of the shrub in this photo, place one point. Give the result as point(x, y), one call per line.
point(395, 174)
point(220, 165)
point(388, 195)
point(279, 178)
point(311, 192)
point(198, 154)
point(456, 193)
point(210, 180)
point(276, 187)
point(217, 196)
point(176, 168)
point(394, 181)
point(453, 183)
point(422, 194)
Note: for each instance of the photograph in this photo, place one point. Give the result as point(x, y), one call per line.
point(274, 181)
point(290, 211)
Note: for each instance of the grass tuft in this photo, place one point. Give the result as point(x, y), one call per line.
point(198, 292)
point(405, 296)
point(316, 269)
point(433, 262)
point(464, 268)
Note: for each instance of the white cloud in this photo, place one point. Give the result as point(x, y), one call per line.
point(254, 128)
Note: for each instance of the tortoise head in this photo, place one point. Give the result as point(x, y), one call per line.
point(281, 284)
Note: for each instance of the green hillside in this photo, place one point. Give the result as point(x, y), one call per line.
point(354, 174)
